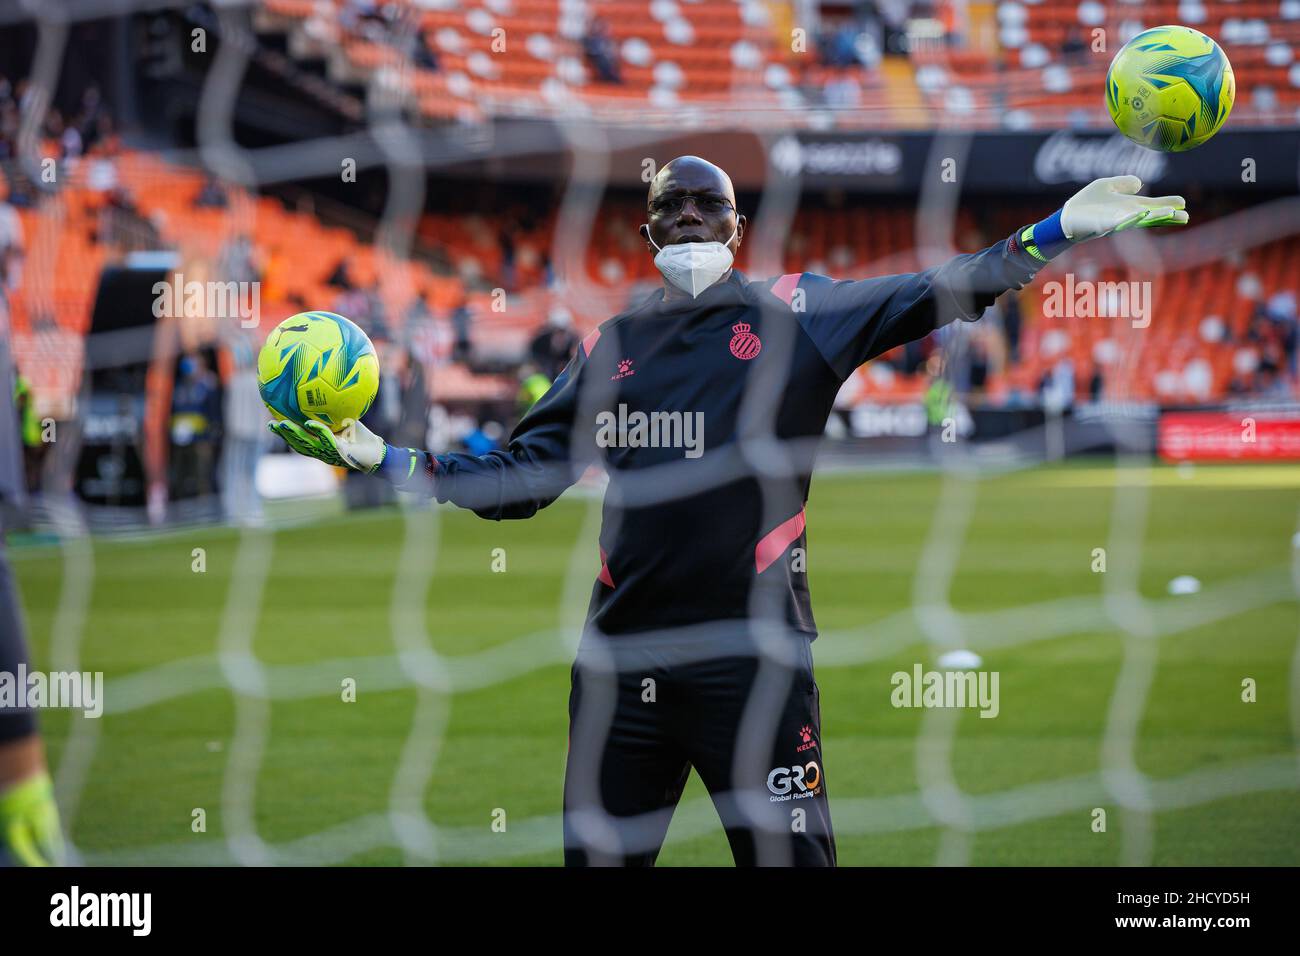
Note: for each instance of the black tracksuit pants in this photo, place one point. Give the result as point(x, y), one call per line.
point(750, 726)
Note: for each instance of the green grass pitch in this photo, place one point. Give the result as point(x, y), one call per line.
point(1221, 774)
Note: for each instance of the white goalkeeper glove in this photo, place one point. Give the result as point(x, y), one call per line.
point(1098, 209)
point(355, 446)
point(1112, 205)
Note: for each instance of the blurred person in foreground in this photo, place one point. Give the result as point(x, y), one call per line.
point(29, 817)
point(702, 585)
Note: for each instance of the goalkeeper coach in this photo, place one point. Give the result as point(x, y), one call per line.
point(705, 404)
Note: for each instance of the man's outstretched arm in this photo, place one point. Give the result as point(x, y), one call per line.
point(853, 321)
point(541, 460)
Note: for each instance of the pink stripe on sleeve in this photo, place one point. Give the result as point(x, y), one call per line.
point(774, 543)
point(783, 288)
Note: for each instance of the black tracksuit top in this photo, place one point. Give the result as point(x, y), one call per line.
point(709, 532)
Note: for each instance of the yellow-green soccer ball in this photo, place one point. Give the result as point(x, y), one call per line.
point(318, 365)
point(1170, 88)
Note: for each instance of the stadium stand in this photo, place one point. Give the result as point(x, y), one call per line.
point(1013, 65)
point(1207, 335)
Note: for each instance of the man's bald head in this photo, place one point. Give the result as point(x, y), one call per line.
point(689, 171)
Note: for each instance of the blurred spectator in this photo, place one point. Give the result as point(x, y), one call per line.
point(554, 343)
point(70, 144)
point(1056, 388)
point(839, 46)
point(195, 428)
point(237, 261)
point(414, 416)
point(244, 418)
point(122, 224)
point(506, 245)
point(533, 384)
point(438, 436)
point(212, 195)
point(89, 118)
point(417, 311)
point(53, 130)
point(1267, 330)
point(916, 353)
point(978, 371)
point(1096, 384)
point(11, 245)
point(601, 52)
point(341, 277)
point(952, 18)
point(440, 258)
point(13, 485)
point(938, 392)
point(354, 304)
point(1281, 311)
point(370, 19)
point(484, 438)
point(9, 119)
point(383, 418)
point(870, 41)
point(422, 55)
point(842, 93)
point(1009, 308)
point(894, 15)
point(29, 430)
point(374, 317)
point(275, 275)
point(107, 142)
point(28, 425)
point(1271, 358)
point(1271, 385)
point(460, 324)
point(386, 411)
point(101, 173)
point(1075, 47)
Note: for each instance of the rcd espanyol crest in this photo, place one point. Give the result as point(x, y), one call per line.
point(744, 344)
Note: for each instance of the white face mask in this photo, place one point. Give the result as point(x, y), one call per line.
point(694, 266)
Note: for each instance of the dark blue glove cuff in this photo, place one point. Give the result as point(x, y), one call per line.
point(401, 465)
point(1045, 240)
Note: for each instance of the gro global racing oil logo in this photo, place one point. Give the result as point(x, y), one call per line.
point(795, 783)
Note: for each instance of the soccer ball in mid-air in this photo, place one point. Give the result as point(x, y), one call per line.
point(318, 365)
point(1170, 88)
